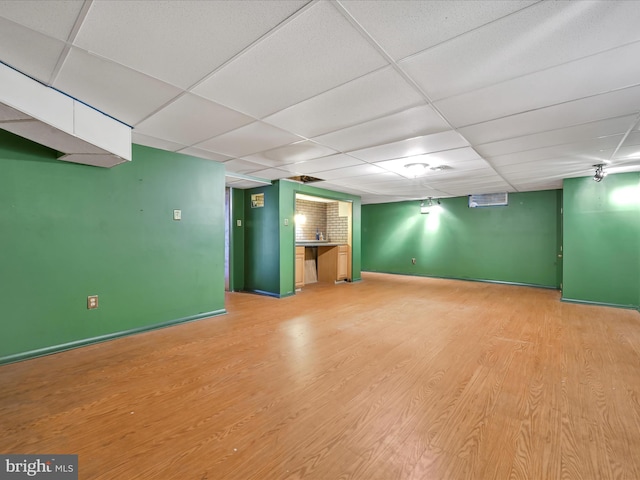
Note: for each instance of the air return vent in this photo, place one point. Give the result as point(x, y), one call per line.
point(489, 200)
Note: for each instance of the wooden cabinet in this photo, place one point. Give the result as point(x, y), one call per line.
point(343, 262)
point(333, 263)
point(299, 267)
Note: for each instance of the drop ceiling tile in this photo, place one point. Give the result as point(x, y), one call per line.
point(412, 147)
point(53, 18)
point(294, 153)
point(99, 83)
point(399, 166)
point(252, 138)
point(399, 27)
point(28, 51)
point(576, 133)
point(326, 163)
point(613, 104)
point(413, 122)
point(191, 119)
point(544, 169)
point(178, 42)
point(244, 167)
point(372, 96)
point(355, 171)
point(149, 141)
point(201, 153)
point(271, 174)
point(541, 36)
point(244, 184)
point(564, 83)
point(593, 149)
point(316, 51)
point(371, 181)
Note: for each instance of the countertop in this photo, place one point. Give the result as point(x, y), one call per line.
point(317, 243)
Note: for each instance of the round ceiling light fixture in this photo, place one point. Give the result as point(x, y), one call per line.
point(416, 168)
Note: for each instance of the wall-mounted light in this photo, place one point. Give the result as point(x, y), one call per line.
point(300, 218)
point(600, 173)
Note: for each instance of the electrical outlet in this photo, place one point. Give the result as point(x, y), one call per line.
point(92, 302)
point(177, 214)
point(413, 261)
point(238, 223)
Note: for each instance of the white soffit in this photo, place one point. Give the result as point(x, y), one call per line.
point(49, 117)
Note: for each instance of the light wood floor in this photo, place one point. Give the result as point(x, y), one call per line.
point(391, 378)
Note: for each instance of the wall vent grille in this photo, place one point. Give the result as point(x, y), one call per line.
point(489, 200)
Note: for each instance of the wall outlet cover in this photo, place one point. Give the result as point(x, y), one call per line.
point(177, 214)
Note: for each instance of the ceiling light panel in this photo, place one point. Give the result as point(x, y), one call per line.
point(191, 119)
point(207, 34)
point(294, 153)
point(372, 96)
point(399, 27)
point(252, 138)
point(541, 36)
point(98, 82)
point(32, 53)
point(412, 147)
point(570, 81)
point(314, 52)
point(600, 107)
point(413, 122)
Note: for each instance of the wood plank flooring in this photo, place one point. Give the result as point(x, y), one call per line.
point(391, 378)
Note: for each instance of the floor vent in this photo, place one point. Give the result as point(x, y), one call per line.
point(489, 200)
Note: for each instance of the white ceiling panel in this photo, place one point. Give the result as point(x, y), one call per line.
point(600, 107)
point(252, 138)
point(413, 122)
point(412, 147)
point(271, 173)
point(178, 42)
point(399, 25)
point(199, 152)
point(191, 119)
point(371, 96)
point(594, 149)
point(326, 163)
point(28, 51)
point(54, 18)
point(355, 171)
point(244, 167)
point(149, 141)
point(294, 153)
point(541, 36)
point(576, 133)
point(316, 51)
point(588, 76)
point(297, 87)
point(98, 82)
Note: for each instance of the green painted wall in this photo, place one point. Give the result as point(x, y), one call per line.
point(262, 242)
point(236, 267)
point(288, 191)
point(602, 240)
point(518, 243)
point(68, 231)
point(269, 244)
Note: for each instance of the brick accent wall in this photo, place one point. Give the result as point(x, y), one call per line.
point(323, 217)
point(337, 227)
point(316, 213)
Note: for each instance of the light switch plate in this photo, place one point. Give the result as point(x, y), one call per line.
point(177, 214)
point(286, 222)
point(238, 223)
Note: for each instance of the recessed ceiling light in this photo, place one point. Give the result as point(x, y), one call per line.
point(416, 168)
